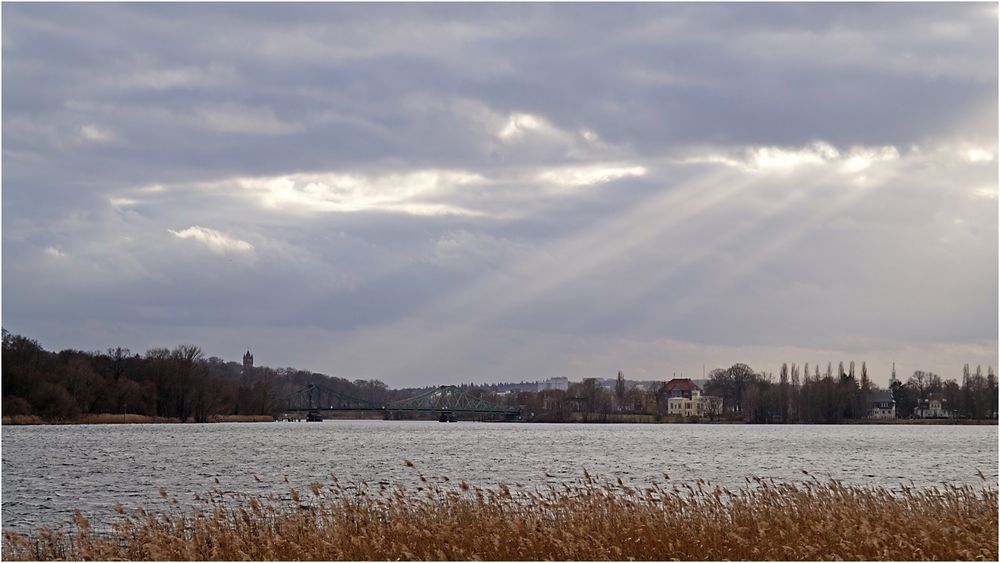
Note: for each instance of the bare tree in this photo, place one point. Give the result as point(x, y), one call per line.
point(620, 390)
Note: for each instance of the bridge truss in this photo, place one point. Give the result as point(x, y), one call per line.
point(315, 397)
point(449, 398)
point(446, 401)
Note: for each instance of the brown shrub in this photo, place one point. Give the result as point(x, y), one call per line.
point(15, 406)
point(588, 520)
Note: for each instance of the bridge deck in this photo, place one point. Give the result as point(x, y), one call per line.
point(391, 409)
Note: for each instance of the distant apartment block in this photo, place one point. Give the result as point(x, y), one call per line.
point(509, 388)
point(556, 383)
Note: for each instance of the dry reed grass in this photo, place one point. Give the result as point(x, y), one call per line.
point(108, 418)
point(22, 419)
point(240, 418)
point(586, 520)
point(103, 418)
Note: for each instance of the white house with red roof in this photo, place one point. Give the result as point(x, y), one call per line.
point(683, 397)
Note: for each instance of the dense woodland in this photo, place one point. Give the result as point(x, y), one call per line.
point(182, 384)
point(179, 383)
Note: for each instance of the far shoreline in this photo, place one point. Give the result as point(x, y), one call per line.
point(95, 419)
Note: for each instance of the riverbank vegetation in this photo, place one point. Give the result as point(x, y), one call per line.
point(182, 385)
point(586, 520)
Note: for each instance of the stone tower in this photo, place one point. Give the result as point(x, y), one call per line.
point(247, 362)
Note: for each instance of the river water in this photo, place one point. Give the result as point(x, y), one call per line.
point(48, 471)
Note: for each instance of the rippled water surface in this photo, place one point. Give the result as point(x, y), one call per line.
point(48, 471)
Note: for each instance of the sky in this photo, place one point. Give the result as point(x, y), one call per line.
point(433, 194)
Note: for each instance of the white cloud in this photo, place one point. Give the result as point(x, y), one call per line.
point(985, 192)
point(785, 159)
point(977, 154)
point(587, 175)
point(214, 240)
point(769, 158)
point(777, 158)
point(96, 134)
point(860, 158)
point(122, 201)
point(413, 193)
point(54, 252)
point(519, 124)
point(520, 137)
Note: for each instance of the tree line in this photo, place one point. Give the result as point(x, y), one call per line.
point(832, 396)
point(797, 394)
point(180, 383)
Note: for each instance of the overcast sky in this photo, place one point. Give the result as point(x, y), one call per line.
point(454, 193)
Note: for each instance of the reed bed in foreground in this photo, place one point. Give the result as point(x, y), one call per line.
point(585, 520)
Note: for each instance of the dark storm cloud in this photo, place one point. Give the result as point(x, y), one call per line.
point(548, 188)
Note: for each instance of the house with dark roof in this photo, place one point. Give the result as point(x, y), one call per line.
point(680, 388)
point(882, 405)
point(683, 397)
point(934, 406)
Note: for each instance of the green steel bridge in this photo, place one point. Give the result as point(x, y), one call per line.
point(447, 402)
